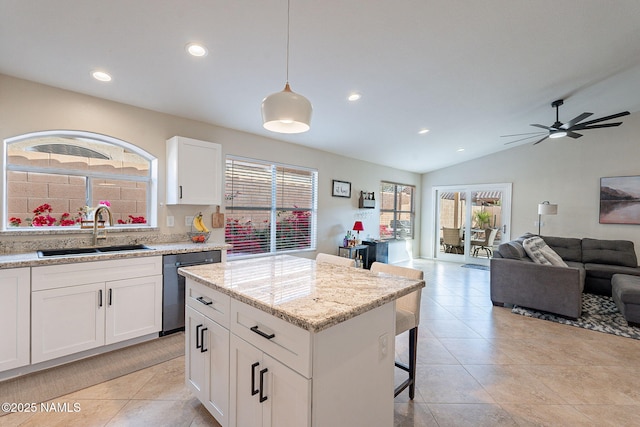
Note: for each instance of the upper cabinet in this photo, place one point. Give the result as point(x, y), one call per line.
point(194, 172)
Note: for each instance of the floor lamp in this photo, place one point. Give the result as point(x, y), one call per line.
point(545, 208)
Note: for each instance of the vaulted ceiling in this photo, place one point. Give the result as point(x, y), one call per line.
point(469, 71)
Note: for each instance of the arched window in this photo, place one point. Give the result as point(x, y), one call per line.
point(54, 177)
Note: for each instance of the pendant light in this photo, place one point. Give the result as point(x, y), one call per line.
point(286, 111)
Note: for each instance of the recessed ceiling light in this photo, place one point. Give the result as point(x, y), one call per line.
point(460, 150)
point(196, 49)
point(101, 76)
point(423, 131)
point(354, 96)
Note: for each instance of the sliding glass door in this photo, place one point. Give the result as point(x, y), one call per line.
point(471, 221)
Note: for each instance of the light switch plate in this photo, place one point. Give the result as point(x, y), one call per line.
point(188, 220)
point(170, 221)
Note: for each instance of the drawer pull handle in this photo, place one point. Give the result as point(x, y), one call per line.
point(203, 301)
point(198, 335)
point(254, 391)
point(262, 334)
point(262, 396)
point(202, 349)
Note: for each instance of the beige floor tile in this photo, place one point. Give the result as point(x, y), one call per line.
point(595, 385)
point(124, 387)
point(475, 351)
point(411, 414)
point(167, 385)
point(478, 415)
point(547, 415)
point(514, 384)
point(157, 413)
point(611, 415)
point(449, 384)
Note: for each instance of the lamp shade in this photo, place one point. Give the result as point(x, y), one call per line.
point(546, 208)
point(357, 226)
point(286, 112)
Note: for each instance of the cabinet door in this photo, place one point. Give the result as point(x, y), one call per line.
point(194, 172)
point(288, 396)
point(134, 308)
point(195, 376)
point(245, 408)
point(215, 346)
point(15, 317)
point(66, 321)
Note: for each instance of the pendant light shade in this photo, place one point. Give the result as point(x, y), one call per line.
point(286, 112)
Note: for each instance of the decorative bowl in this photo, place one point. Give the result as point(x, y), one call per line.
point(198, 236)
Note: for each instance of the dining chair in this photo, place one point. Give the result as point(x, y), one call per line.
point(452, 240)
point(407, 319)
point(336, 260)
point(486, 244)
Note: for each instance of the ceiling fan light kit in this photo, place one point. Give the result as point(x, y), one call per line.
point(286, 111)
point(559, 129)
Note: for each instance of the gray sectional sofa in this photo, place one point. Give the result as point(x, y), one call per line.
point(516, 279)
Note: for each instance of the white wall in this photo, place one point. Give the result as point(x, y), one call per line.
point(28, 107)
point(564, 171)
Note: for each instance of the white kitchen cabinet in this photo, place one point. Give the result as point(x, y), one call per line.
point(15, 308)
point(207, 350)
point(80, 306)
point(133, 308)
point(264, 392)
point(194, 172)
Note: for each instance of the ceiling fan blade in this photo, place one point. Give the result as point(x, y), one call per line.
point(520, 134)
point(542, 126)
point(604, 125)
point(574, 135)
point(602, 119)
point(574, 121)
point(540, 140)
point(522, 139)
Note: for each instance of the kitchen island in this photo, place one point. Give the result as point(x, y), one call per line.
point(283, 341)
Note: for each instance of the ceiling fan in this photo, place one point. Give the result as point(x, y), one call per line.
point(559, 129)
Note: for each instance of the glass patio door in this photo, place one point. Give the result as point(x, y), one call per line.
point(471, 221)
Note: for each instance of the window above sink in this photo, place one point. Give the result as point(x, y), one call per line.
point(52, 176)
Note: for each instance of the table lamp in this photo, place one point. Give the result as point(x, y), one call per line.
point(357, 226)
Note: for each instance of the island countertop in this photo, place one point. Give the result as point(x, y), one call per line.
point(300, 291)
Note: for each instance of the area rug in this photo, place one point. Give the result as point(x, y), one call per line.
point(599, 313)
point(64, 379)
point(476, 266)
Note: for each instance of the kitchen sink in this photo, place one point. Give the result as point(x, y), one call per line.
point(89, 251)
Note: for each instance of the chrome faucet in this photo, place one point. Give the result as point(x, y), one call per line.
point(96, 216)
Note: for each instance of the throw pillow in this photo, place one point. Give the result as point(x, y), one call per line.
point(532, 247)
point(541, 253)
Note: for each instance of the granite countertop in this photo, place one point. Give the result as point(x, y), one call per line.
point(309, 295)
point(30, 259)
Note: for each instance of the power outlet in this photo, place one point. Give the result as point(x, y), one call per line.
point(188, 220)
point(383, 346)
point(170, 221)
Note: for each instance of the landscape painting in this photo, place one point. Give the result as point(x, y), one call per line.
point(620, 200)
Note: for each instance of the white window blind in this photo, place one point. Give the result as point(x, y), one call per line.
point(270, 207)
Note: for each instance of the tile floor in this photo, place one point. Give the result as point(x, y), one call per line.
point(477, 366)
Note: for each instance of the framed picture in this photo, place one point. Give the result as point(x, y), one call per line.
point(341, 189)
point(620, 200)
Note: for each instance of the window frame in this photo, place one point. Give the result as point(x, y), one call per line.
point(397, 212)
point(151, 179)
point(274, 210)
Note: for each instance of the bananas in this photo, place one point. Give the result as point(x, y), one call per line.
point(198, 224)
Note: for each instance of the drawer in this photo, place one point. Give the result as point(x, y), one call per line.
point(281, 340)
point(82, 273)
point(211, 303)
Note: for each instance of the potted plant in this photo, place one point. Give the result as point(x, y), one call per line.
point(483, 218)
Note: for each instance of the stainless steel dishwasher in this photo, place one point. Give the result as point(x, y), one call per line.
point(173, 286)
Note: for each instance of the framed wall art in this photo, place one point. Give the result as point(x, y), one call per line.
point(341, 189)
point(620, 200)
